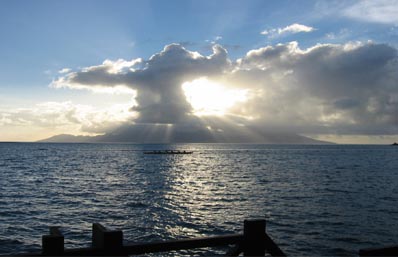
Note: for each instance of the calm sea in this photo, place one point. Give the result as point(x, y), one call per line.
point(317, 200)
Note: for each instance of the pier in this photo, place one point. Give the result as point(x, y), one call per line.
point(254, 241)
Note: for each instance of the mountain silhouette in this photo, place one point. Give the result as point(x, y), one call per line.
point(188, 133)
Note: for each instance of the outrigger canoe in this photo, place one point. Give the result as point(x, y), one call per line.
point(168, 152)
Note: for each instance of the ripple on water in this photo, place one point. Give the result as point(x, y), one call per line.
point(314, 204)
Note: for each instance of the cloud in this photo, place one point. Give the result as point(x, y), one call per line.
point(291, 29)
point(104, 73)
point(67, 116)
point(341, 35)
point(295, 28)
point(156, 81)
point(64, 70)
point(347, 89)
point(381, 11)
point(325, 89)
point(214, 40)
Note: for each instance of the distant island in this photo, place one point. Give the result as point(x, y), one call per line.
point(395, 144)
point(144, 133)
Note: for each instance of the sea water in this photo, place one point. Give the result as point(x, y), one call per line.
point(317, 200)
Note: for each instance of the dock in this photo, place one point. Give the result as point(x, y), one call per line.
point(254, 241)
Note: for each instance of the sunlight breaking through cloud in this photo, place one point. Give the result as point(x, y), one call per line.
point(324, 89)
point(211, 98)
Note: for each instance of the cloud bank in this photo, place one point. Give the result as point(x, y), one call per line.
point(343, 89)
point(61, 117)
point(347, 89)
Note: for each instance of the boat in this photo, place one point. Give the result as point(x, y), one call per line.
point(395, 144)
point(168, 152)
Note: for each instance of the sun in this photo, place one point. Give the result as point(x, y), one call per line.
point(211, 98)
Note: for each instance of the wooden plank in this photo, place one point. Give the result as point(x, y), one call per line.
point(272, 248)
point(386, 251)
point(183, 244)
point(162, 246)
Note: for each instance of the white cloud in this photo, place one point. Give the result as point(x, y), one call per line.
point(380, 11)
point(214, 40)
point(295, 28)
point(120, 65)
point(291, 29)
point(342, 34)
point(64, 70)
point(106, 69)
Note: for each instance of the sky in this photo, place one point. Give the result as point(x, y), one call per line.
point(323, 69)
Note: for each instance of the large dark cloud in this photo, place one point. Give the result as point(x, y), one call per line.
point(342, 89)
point(349, 89)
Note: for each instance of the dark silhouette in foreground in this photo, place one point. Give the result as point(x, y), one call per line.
point(253, 242)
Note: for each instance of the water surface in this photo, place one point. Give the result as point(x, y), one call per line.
point(318, 200)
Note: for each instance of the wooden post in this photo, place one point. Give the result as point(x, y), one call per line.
point(106, 239)
point(53, 244)
point(253, 232)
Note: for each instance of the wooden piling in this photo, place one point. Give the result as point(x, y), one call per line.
point(253, 233)
point(53, 244)
point(108, 240)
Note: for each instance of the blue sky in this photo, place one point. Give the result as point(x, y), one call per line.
point(40, 38)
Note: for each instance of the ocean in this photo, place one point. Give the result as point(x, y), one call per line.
point(318, 200)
